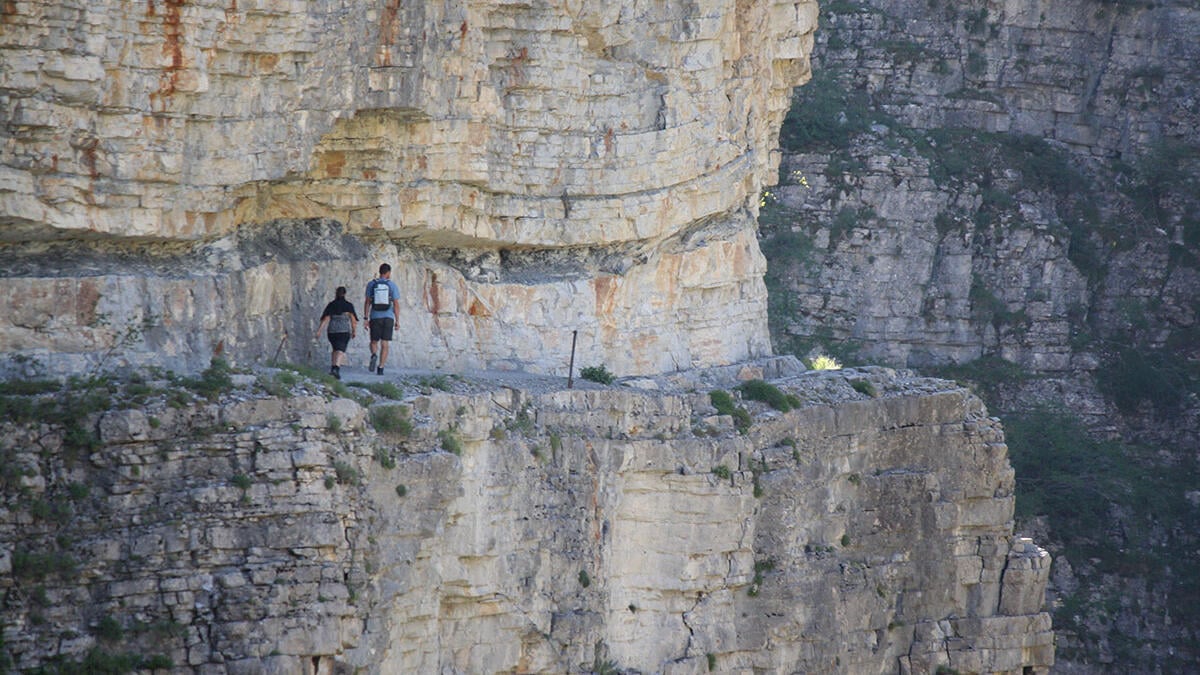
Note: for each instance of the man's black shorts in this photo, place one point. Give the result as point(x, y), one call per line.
point(381, 329)
point(339, 341)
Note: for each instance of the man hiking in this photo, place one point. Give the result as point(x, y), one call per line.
point(383, 299)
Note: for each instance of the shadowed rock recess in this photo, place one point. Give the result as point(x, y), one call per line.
point(535, 529)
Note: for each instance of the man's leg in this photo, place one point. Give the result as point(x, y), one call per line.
point(383, 351)
point(373, 330)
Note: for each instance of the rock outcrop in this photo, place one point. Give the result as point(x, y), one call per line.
point(529, 170)
point(529, 528)
point(1011, 192)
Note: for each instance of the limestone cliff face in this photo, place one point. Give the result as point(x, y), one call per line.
point(529, 169)
point(527, 529)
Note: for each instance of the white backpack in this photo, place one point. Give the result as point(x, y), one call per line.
point(381, 296)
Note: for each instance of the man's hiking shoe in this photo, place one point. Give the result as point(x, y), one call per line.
point(336, 371)
point(372, 366)
point(379, 370)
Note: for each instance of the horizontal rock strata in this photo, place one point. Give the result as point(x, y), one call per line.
point(528, 528)
point(625, 143)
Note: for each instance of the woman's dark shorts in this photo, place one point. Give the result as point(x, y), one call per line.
point(339, 341)
point(381, 329)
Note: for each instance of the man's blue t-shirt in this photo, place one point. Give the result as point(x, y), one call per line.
point(382, 313)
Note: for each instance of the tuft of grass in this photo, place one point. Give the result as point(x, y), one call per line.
point(346, 474)
point(864, 387)
point(760, 567)
point(725, 405)
point(213, 381)
point(584, 579)
point(721, 471)
point(391, 419)
point(401, 490)
point(384, 389)
point(241, 480)
point(823, 362)
point(109, 630)
point(429, 382)
point(450, 441)
point(28, 387)
point(385, 458)
point(100, 661)
point(333, 423)
point(605, 667)
point(37, 566)
point(522, 422)
point(597, 374)
point(761, 390)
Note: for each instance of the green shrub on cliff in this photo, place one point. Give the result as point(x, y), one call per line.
point(761, 390)
point(597, 374)
point(825, 114)
point(450, 441)
point(864, 387)
point(391, 419)
point(1119, 507)
point(1134, 376)
point(213, 381)
point(725, 405)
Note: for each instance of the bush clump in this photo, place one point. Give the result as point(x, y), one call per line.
point(215, 380)
point(391, 419)
point(725, 405)
point(450, 441)
point(864, 387)
point(760, 390)
point(597, 374)
point(384, 389)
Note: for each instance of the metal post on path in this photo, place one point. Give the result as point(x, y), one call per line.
point(571, 368)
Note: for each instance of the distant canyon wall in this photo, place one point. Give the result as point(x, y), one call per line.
point(1007, 180)
point(529, 170)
